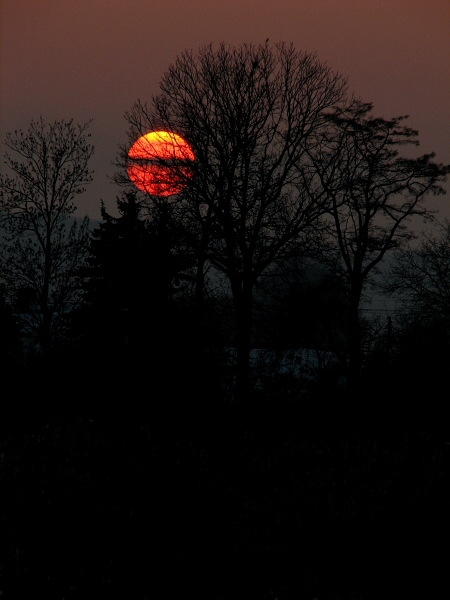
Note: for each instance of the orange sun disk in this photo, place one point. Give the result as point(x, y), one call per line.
point(157, 163)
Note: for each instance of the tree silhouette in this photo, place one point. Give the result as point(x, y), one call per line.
point(42, 251)
point(419, 283)
point(419, 278)
point(132, 278)
point(373, 192)
point(10, 346)
point(250, 114)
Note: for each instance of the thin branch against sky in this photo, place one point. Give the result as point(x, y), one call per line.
point(94, 60)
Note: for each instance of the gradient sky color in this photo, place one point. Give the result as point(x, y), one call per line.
point(94, 58)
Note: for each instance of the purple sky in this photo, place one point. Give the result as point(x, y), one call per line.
point(86, 59)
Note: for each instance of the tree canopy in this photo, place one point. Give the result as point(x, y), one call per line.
point(48, 167)
point(250, 114)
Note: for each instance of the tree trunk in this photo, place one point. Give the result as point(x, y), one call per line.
point(199, 281)
point(354, 338)
point(46, 314)
point(243, 301)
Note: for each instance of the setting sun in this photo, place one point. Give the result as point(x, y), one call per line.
point(159, 163)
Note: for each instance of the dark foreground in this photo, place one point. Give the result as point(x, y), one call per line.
point(148, 495)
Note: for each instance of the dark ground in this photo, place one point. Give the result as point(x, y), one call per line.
point(109, 491)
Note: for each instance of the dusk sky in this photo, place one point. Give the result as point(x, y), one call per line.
point(85, 59)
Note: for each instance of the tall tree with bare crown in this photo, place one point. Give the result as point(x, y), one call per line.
point(42, 248)
point(250, 113)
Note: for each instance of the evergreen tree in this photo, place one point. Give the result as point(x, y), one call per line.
point(130, 281)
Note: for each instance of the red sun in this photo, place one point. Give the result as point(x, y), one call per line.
point(159, 163)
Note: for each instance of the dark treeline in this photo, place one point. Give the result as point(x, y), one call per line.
point(193, 399)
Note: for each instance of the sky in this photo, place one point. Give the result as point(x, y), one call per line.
point(92, 59)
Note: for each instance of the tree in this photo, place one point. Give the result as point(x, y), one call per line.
point(418, 281)
point(305, 309)
point(132, 274)
point(133, 314)
point(373, 193)
point(250, 114)
point(419, 278)
point(42, 250)
point(10, 347)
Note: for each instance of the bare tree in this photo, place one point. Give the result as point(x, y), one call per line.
point(41, 249)
point(373, 192)
point(420, 277)
point(250, 114)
